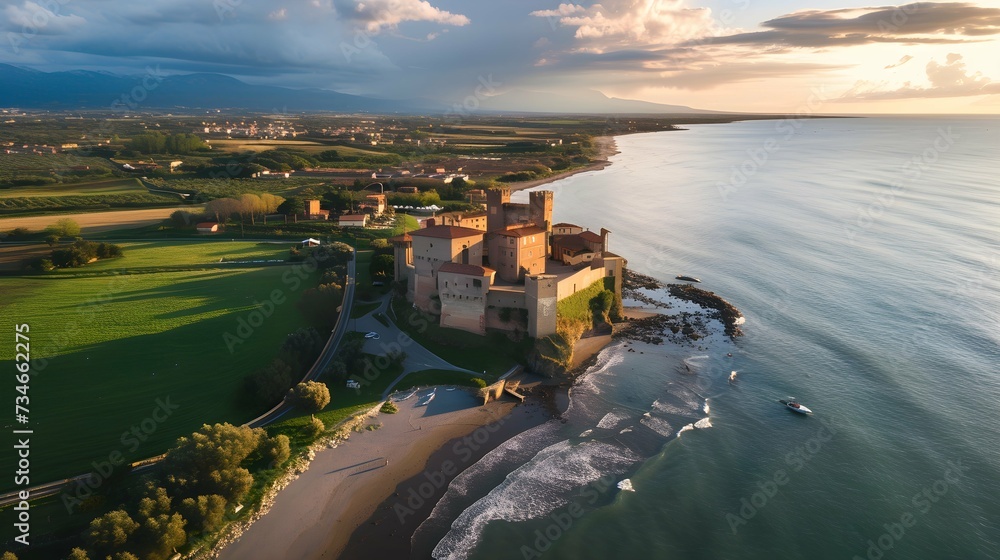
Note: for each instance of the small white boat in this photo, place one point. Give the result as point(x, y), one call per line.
point(795, 407)
point(428, 398)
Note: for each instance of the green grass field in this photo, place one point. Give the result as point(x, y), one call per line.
point(93, 188)
point(155, 254)
point(107, 347)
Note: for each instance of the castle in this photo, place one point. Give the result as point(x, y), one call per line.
point(503, 268)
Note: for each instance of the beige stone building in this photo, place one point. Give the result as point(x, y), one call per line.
point(498, 274)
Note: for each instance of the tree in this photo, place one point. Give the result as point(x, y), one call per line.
point(65, 227)
point(8, 556)
point(161, 534)
point(277, 450)
point(124, 556)
point(381, 265)
point(77, 554)
point(270, 203)
point(156, 502)
point(315, 427)
point(301, 348)
point(269, 385)
point(311, 395)
point(319, 304)
point(204, 513)
point(249, 205)
point(208, 462)
point(52, 240)
point(111, 530)
point(182, 219)
point(292, 207)
point(222, 208)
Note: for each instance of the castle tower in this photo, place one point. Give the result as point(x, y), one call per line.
point(540, 297)
point(540, 209)
point(495, 199)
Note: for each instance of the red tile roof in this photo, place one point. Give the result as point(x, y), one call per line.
point(405, 238)
point(353, 217)
point(565, 225)
point(446, 232)
point(521, 232)
point(590, 237)
point(467, 269)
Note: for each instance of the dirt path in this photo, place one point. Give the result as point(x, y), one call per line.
point(94, 222)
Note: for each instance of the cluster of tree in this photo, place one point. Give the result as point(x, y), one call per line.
point(29, 181)
point(536, 171)
point(159, 143)
point(425, 198)
point(203, 475)
point(383, 259)
point(79, 253)
point(319, 305)
point(248, 205)
point(268, 385)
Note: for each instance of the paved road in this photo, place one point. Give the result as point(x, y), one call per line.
point(329, 351)
point(391, 339)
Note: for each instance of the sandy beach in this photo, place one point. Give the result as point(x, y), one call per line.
point(316, 513)
point(606, 147)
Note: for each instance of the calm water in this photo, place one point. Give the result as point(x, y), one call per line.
point(870, 289)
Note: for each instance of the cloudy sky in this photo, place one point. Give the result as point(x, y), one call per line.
point(741, 55)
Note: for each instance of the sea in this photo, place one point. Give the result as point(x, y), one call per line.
point(864, 254)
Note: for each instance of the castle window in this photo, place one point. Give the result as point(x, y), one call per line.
point(477, 282)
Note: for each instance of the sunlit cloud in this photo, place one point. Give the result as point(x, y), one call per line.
point(950, 79)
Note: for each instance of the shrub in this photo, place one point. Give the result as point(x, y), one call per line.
point(314, 428)
point(389, 407)
point(479, 382)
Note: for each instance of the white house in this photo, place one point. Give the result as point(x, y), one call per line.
point(353, 220)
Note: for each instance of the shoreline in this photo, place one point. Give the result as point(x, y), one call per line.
point(343, 485)
point(389, 531)
point(606, 147)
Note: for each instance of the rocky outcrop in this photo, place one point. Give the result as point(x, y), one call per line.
point(728, 314)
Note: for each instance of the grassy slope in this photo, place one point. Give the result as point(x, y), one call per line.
point(142, 337)
point(494, 352)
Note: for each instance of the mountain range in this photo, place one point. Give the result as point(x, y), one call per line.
point(79, 89)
